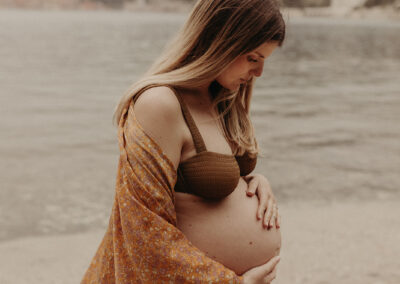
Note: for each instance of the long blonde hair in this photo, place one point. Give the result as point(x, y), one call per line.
point(214, 35)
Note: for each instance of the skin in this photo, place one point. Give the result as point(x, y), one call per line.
point(241, 70)
point(169, 129)
point(246, 66)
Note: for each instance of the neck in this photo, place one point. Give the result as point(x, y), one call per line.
point(201, 94)
point(209, 90)
point(203, 90)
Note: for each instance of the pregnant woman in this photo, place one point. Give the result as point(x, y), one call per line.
point(182, 212)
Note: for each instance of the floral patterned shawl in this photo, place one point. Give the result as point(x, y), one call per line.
point(142, 243)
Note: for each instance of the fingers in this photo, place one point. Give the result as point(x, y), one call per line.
point(248, 177)
point(262, 205)
point(268, 267)
point(267, 209)
point(271, 276)
point(252, 187)
point(264, 273)
point(278, 219)
point(274, 215)
point(271, 215)
point(268, 214)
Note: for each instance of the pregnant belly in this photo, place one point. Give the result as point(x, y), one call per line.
point(227, 230)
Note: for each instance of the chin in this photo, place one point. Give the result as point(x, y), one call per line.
point(229, 86)
point(237, 87)
point(233, 87)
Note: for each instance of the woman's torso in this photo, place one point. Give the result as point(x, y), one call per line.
point(209, 174)
point(226, 229)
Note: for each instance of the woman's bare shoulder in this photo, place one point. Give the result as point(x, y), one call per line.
point(158, 111)
point(160, 97)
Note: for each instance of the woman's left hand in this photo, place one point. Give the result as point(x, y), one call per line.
point(267, 208)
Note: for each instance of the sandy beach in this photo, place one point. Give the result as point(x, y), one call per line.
point(341, 242)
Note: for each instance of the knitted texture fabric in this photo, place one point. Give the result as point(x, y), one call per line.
point(209, 174)
point(142, 243)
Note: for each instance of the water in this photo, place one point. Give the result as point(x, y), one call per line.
point(326, 112)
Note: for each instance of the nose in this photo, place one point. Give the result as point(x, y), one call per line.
point(257, 71)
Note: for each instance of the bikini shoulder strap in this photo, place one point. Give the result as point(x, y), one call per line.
point(197, 139)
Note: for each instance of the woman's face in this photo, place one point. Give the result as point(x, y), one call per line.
point(244, 67)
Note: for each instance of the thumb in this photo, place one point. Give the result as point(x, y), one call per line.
point(260, 272)
point(267, 267)
point(252, 187)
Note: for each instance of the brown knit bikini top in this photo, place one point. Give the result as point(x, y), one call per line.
point(209, 174)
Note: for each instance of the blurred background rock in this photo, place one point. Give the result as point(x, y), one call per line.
point(357, 8)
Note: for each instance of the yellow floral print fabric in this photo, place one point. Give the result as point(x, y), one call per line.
point(142, 243)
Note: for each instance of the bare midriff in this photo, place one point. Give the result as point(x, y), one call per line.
point(228, 230)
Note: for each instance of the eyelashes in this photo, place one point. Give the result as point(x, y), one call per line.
point(252, 60)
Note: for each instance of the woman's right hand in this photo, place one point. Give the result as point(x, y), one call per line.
point(262, 274)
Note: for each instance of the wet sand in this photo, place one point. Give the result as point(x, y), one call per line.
point(343, 242)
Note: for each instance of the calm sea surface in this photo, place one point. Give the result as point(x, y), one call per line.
point(326, 112)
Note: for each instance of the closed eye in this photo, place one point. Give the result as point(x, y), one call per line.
point(251, 59)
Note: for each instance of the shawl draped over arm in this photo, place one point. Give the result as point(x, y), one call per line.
point(142, 243)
